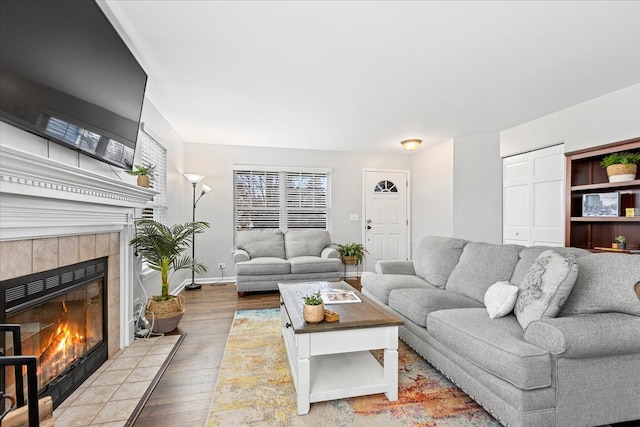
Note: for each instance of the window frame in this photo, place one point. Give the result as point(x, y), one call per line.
point(293, 202)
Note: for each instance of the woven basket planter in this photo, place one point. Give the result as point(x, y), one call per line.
point(143, 181)
point(620, 172)
point(350, 260)
point(165, 315)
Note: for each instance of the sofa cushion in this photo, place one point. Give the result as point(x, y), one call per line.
point(416, 304)
point(380, 285)
point(305, 242)
point(500, 299)
point(261, 243)
point(435, 257)
point(528, 255)
point(545, 287)
point(495, 345)
point(314, 264)
point(263, 265)
point(480, 266)
point(605, 283)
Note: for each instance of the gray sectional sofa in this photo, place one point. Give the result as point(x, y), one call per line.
point(265, 257)
point(567, 355)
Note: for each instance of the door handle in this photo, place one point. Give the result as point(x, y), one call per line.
point(368, 227)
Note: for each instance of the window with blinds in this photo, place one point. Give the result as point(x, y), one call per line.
point(153, 153)
point(284, 199)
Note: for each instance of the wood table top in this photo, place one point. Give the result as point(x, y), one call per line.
point(365, 314)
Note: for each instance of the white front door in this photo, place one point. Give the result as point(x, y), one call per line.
point(385, 216)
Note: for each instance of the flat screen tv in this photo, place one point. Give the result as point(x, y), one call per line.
point(66, 75)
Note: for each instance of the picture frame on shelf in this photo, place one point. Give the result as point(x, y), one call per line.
point(601, 204)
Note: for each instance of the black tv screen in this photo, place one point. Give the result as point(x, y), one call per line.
point(66, 75)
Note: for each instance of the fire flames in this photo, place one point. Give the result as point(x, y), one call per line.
point(63, 348)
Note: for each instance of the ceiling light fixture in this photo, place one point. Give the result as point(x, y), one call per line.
point(411, 144)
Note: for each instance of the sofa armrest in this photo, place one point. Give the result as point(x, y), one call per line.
point(240, 255)
point(330, 253)
point(589, 335)
point(395, 267)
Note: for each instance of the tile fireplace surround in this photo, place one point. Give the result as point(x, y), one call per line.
point(53, 214)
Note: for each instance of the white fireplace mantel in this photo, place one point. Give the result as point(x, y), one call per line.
point(41, 197)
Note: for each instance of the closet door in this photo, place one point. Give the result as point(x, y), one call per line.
point(533, 197)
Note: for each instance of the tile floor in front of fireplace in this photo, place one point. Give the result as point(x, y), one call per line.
point(109, 396)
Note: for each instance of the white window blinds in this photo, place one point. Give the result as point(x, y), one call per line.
point(306, 197)
point(284, 199)
point(153, 153)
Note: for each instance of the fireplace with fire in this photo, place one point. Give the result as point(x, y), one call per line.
point(63, 322)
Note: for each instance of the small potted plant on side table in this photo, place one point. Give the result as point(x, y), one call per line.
point(313, 308)
point(351, 253)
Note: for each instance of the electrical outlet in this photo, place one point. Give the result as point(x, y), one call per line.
point(222, 265)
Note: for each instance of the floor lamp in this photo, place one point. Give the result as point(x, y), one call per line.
point(194, 179)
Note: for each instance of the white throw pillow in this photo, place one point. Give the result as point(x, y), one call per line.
point(500, 299)
point(545, 287)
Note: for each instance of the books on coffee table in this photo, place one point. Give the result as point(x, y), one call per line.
point(339, 296)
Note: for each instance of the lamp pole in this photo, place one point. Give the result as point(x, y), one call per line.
point(194, 179)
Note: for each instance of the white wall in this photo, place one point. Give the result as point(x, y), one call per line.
point(432, 192)
point(216, 162)
point(477, 188)
point(457, 190)
point(609, 118)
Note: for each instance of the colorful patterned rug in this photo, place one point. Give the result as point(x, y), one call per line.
point(255, 388)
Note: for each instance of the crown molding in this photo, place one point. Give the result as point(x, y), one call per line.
point(41, 197)
point(27, 174)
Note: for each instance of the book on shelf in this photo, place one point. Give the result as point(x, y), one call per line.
point(339, 296)
point(623, 251)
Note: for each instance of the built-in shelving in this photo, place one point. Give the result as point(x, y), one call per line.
point(585, 176)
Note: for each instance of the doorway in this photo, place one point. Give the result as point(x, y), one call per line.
point(386, 221)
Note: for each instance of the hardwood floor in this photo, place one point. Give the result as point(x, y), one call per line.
point(183, 395)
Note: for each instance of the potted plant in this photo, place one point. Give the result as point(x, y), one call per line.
point(162, 248)
point(313, 308)
point(351, 253)
point(143, 173)
point(619, 242)
point(621, 166)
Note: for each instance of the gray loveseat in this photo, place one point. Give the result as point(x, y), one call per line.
point(579, 368)
point(263, 258)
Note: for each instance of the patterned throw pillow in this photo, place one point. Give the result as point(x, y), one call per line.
point(545, 287)
point(500, 299)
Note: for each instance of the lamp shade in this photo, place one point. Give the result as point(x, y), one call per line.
point(206, 188)
point(411, 144)
point(194, 178)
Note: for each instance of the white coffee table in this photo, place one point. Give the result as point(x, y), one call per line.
point(332, 360)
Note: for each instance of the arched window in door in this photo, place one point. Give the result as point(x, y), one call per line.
point(385, 187)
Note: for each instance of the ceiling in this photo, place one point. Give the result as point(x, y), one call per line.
point(364, 75)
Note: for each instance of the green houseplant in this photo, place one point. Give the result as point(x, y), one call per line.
point(351, 253)
point(619, 242)
point(162, 247)
point(143, 173)
point(313, 308)
point(621, 166)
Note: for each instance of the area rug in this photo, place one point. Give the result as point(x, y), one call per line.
point(255, 388)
